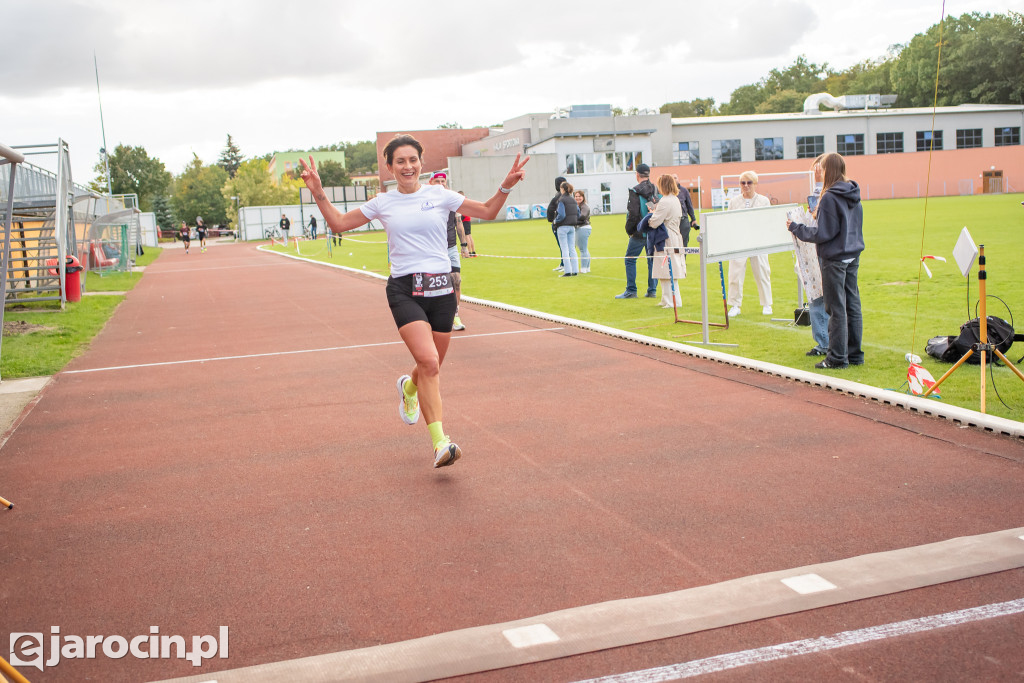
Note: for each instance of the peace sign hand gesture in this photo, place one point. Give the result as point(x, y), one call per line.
point(309, 174)
point(515, 174)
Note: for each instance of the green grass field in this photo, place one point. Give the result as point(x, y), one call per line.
point(55, 336)
point(900, 313)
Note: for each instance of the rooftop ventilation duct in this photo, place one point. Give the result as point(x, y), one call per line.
point(812, 102)
point(846, 102)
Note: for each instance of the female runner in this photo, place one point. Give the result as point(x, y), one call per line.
point(420, 290)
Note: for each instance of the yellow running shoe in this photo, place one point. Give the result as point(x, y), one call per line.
point(446, 453)
point(408, 408)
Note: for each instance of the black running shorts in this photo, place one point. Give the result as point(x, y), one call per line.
point(439, 311)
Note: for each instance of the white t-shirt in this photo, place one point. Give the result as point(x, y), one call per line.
point(417, 227)
point(741, 202)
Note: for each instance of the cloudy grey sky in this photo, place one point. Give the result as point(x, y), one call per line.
point(177, 77)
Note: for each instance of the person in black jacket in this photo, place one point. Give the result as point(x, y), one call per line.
point(687, 204)
point(552, 207)
point(285, 226)
point(644, 190)
point(566, 215)
point(839, 236)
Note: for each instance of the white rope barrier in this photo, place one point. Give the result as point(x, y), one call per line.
point(686, 250)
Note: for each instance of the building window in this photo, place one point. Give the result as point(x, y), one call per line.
point(968, 137)
point(686, 154)
point(767, 149)
point(928, 140)
point(574, 164)
point(889, 143)
point(725, 150)
point(850, 145)
point(1007, 136)
point(810, 146)
point(606, 197)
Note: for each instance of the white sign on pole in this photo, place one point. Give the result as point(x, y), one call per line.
point(965, 252)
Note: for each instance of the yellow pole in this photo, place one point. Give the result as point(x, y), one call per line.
point(1010, 365)
point(6, 503)
point(983, 319)
point(9, 671)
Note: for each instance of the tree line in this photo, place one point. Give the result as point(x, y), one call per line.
point(982, 62)
point(215, 191)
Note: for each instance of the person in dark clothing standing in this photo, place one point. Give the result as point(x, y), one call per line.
point(285, 226)
point(566, 215)
point(552, 208)
point(687, 204)
point(640, 196)
point(839, 236)
point(312, 226)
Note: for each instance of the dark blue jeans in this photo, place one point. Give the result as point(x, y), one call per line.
point(633, 250)
point(842, 302)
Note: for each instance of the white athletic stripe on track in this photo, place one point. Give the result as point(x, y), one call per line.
point(809, 646)
point(291, 353)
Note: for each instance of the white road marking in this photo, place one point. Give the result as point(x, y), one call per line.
point(808, 583)
point(528, 636)
point(772, 653)
point(291, 353)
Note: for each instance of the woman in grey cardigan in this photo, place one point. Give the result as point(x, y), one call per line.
point(583, 231)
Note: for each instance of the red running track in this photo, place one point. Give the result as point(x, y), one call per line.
point(272, 487)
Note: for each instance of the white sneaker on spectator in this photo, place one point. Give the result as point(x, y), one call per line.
point(767, 310)
point(734, 311)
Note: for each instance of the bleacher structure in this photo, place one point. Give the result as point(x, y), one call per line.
point(53, 219)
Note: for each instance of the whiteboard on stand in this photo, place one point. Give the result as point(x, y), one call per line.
point(745, 232)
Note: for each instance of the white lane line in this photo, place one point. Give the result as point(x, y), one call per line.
point(291, 353)
point(772, 653)
point(809, 583)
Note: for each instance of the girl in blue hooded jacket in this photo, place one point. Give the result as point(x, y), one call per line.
point(839, 236)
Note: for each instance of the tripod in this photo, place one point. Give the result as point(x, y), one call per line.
point(982, 346)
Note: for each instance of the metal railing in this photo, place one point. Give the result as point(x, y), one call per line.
point(8, 159)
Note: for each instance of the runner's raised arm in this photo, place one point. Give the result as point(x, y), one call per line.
point(337, 221)
point(489, 210)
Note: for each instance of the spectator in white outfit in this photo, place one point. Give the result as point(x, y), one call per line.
point(749, 199)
